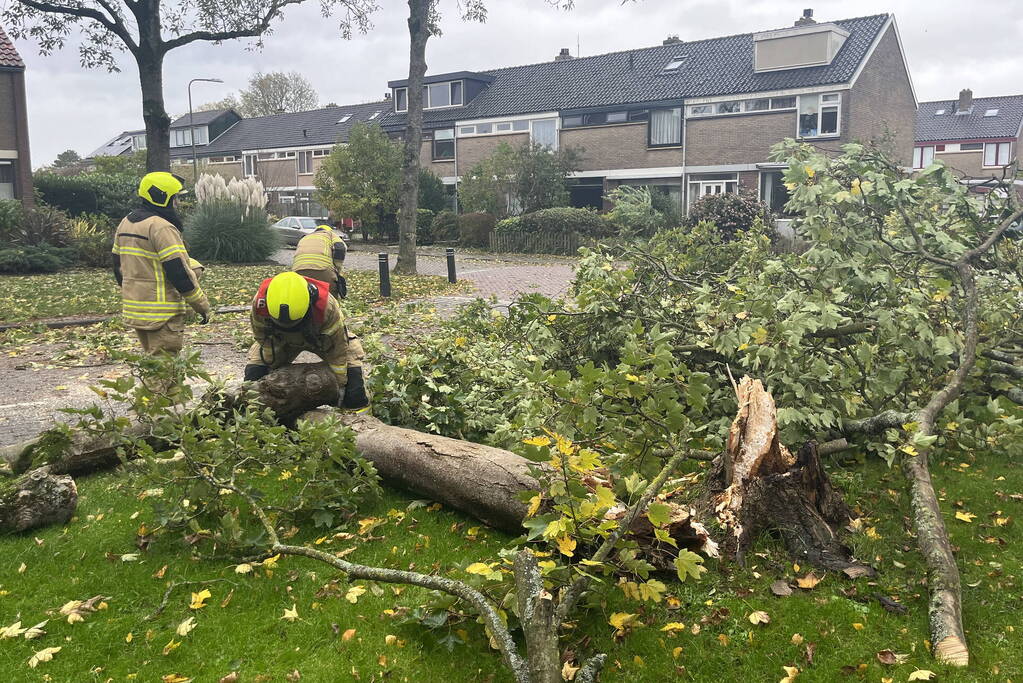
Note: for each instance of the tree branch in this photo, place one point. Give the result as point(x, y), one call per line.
point(114, 25)
point(258, 29)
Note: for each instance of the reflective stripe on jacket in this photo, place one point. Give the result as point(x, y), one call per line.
point(151, 257)
point(316, 251)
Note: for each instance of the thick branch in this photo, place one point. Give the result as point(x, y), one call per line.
point(261, 27)
point(112, 24)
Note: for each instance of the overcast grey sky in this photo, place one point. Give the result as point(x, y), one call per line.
point(950, 44)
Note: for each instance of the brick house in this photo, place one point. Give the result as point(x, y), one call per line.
point(208, 126)
point(978, 138)
point(687, 118)
point(15, 160)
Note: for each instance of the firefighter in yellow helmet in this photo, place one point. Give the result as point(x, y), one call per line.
point(320, 255)
point(291, 314)
point(153, 268)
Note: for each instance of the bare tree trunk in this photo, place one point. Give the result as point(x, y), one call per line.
point(154, 113)
point(408, 200)
point(36, 500)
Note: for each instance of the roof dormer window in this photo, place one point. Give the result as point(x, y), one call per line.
point(940, 112)
point(435, 96)
point(991, 112)
point(344, 118)
point(373, 116)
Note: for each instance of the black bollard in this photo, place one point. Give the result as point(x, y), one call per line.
point(451, 265)
point(385, 275)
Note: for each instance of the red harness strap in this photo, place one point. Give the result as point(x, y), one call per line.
point(319, 306)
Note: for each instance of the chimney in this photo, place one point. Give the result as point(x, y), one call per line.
point(965, 101)
point(806, 19)
point(387, 95)
point(671, 40)
point(564, 55)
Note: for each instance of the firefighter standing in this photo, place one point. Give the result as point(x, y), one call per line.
point(291, 314)
point(320, 255)
point(153, 269)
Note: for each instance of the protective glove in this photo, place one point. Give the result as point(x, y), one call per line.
point(254, 372)
point(353, 394)
point(342, 287)
point(204, 317)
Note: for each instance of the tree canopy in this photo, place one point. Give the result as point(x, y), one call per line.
point(519, 179)
point(277, 92)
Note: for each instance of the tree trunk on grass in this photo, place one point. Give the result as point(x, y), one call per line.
point(35, 500)
point(759, 486)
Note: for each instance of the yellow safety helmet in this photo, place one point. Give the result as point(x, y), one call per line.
point(289, 297)
point(160, 186)
point(324, 227)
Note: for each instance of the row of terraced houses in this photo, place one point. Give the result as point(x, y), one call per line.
point(684, 118)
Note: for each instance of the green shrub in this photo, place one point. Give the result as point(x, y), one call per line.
point(41, 224)
point(111, 194)
point(424, 226)
point(225, 231)
point(92, 237)
point(512, 224)
point(633, 212)
point(35, 258)
point(565, 221)
point(731, 213)
point(432, 195)
point(444, 227)
point(474, 229)
point(10, 219)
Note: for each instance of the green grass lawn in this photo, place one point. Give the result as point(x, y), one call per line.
point(838, 620)
point(94, 292)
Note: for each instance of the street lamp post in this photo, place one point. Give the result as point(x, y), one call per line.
point(191, 124)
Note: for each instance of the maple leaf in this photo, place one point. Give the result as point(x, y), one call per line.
point(790, 674)
point(44, 655)
point(962, 517)
point(568, 671)
point(12, 631)
point(36, 631)
point(354, 593)
point(185, 627)
point(673, 626)
point(689, 564)
point(623, 622)
point(809, 581)
point(759, 617)
point(534, 506)
point(171, 647)
point(292, 614)
point(921, 675)
point(199, 599)
point(566, 545)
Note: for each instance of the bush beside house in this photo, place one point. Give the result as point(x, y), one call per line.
point(444, 227)
point(474, 229)
point(731, 213)
point(110, 194)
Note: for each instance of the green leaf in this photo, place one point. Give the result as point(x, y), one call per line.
point(689, 565)
point(658, 513)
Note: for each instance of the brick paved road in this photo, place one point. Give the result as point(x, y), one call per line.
point(504, 279)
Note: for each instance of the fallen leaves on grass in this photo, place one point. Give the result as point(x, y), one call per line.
point(290, 614)
point(922, 675)
point(185, 627)
point(568, 671)
point(75, 610)
point(781, 588)
point(967, 517)
point(759, 617)
point(348, 634)
point(354, 593)
point(623, 623)
point(790, 674)
point(199, 599)
point(44, 655)
point(809, 581)
point(889, 658)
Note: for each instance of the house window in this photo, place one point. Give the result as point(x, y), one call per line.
point(991, 112)
point(6, 180)
point(723, 184)
point(180, 137)
point(773, 191)
point(467, 130)
point(520, 126)
point(545, 132)
point(321, 152)
point(729, 107)
point(818, 115)
point(675, 63)
point(762, 104)
point(996, 153)
point(783, 103)
point(436, 95)
point(701, 110)
point(639, 115)
point(305, 162)
point(344, 118)
point(939, 112)
point(484, 128)
point(971, 146)
point(603, 118)
point(665, 127)
point(503, 127)
point(250, 164)
point(923, 156)
point(401, 99)
point(138, 142)
point(444, 144)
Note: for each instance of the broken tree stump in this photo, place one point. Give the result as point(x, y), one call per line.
point(758, 486)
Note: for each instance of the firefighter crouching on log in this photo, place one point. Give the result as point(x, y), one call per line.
point(320, 255)
point(292, 314)
point(153, 268)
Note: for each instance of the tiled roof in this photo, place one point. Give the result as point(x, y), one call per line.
point(716, 66)
point(201, 118)
point(9, 56)
point(316, 127)
point(931, 127)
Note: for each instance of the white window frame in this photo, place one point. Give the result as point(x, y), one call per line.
point(426, 102)
point(923, 156)
point(138, 142)
point(468, 129)
point(996, 155)
point(321, 152)
point(729, 185)
point(745, 107)
point(821, 104)
point(305, 160)
point(649, 131)
point(557, 130)
point(250, 165)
